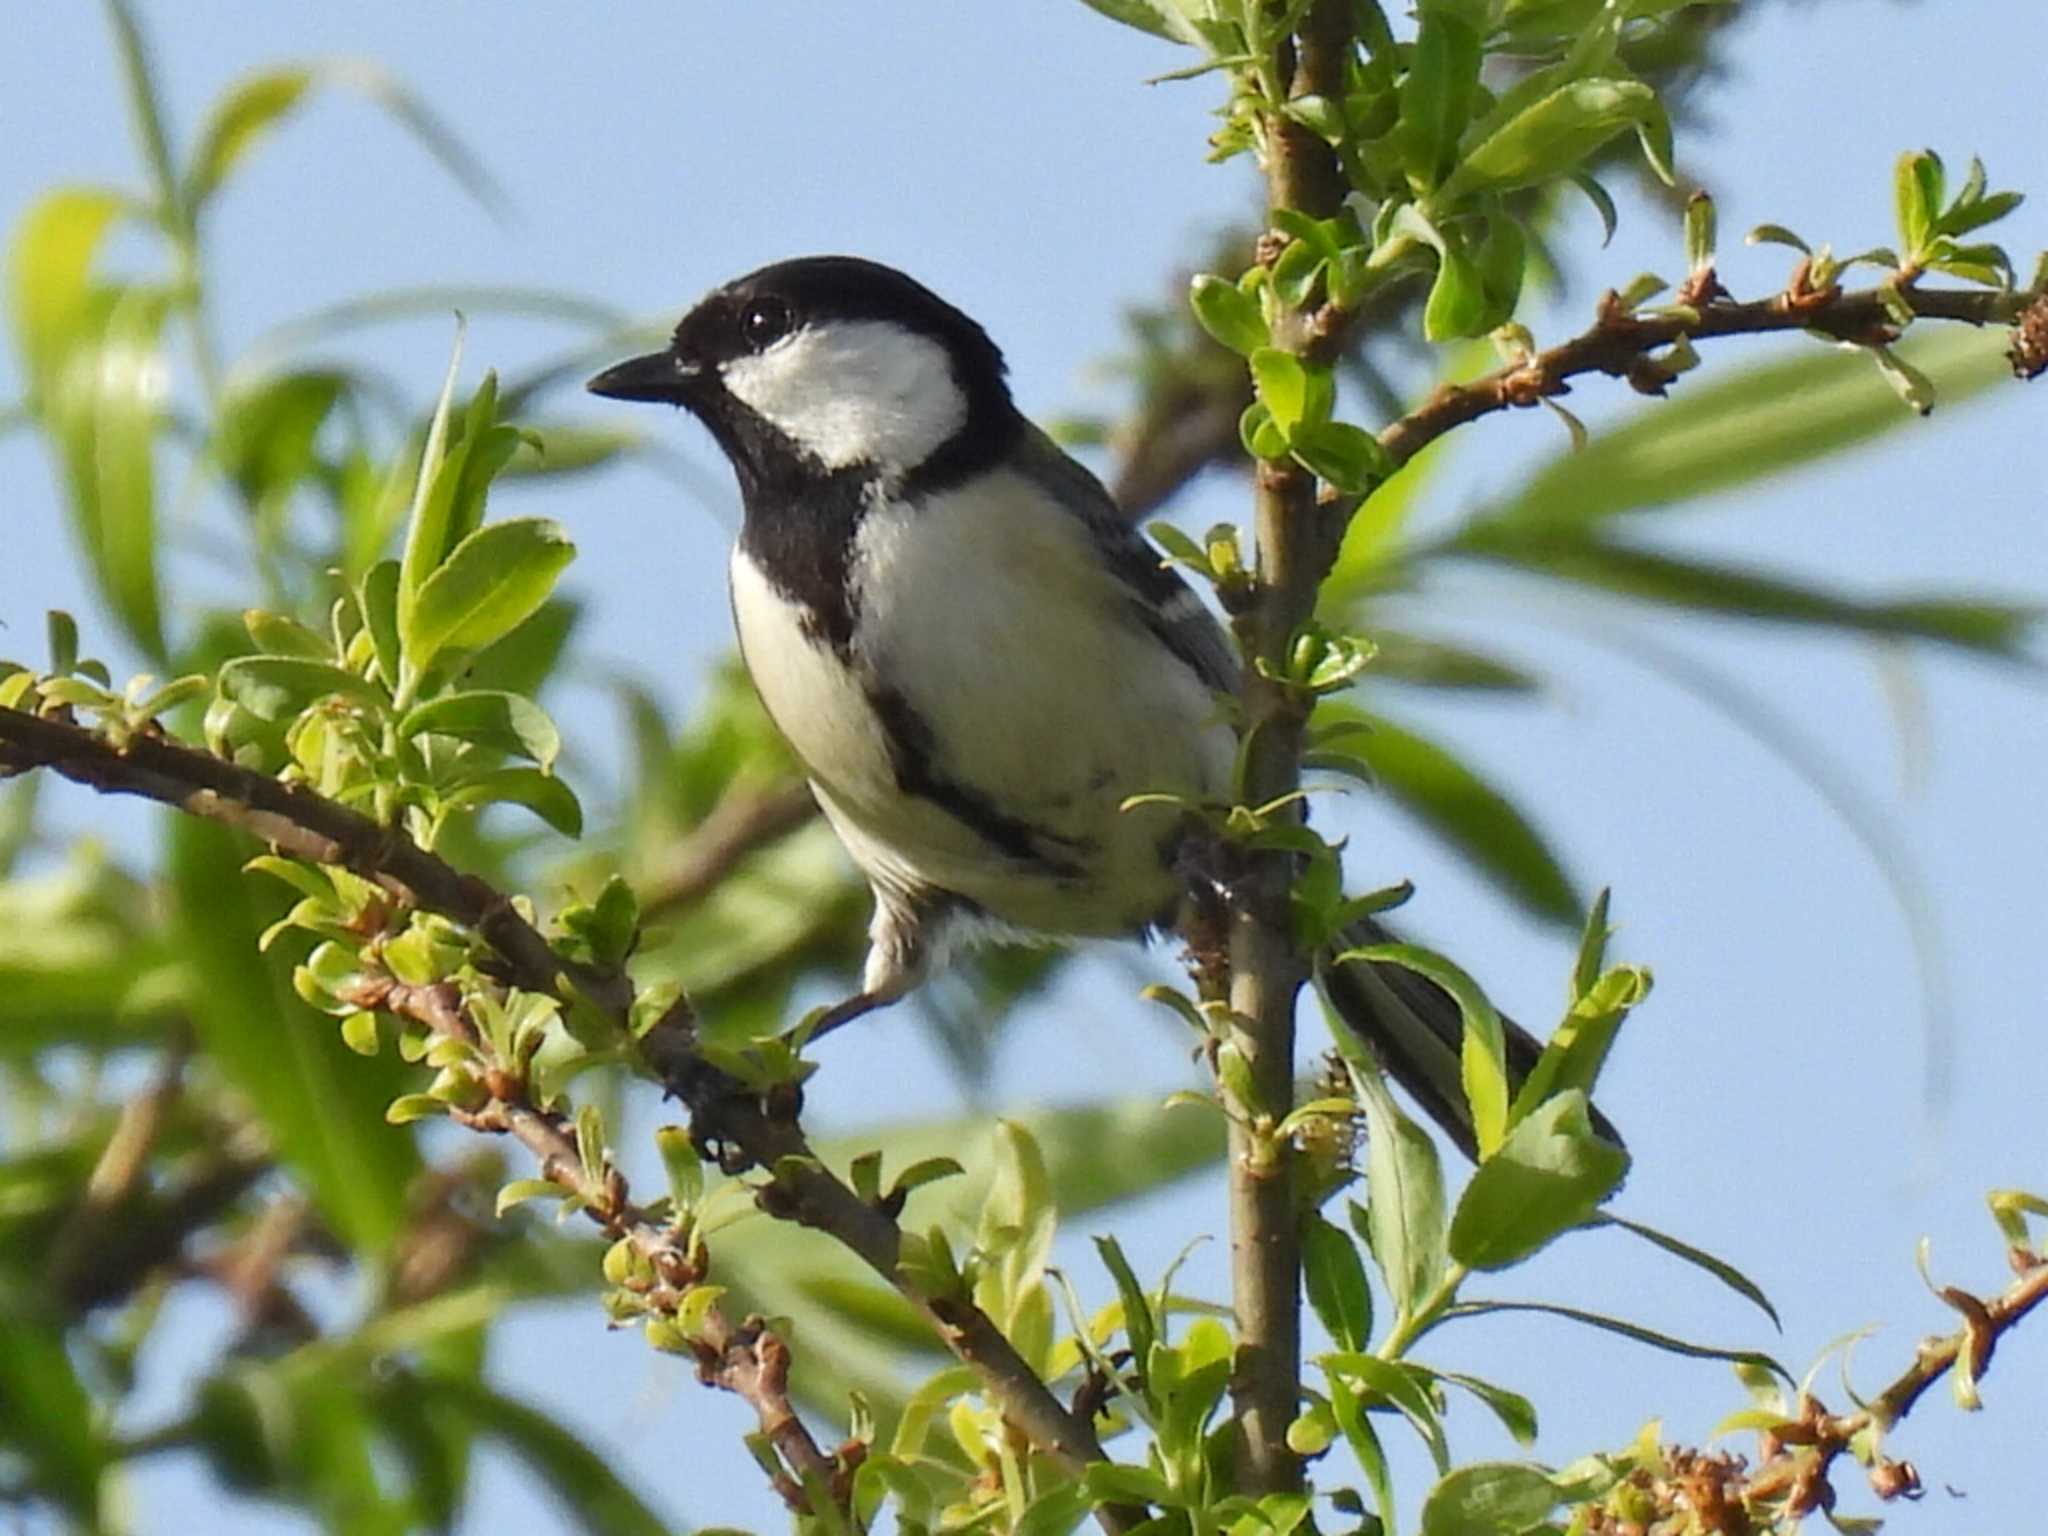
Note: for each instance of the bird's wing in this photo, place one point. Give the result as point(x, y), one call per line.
point(1170, 608)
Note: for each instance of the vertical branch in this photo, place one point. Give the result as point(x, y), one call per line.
point(1266, 969)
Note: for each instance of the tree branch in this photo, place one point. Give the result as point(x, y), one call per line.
point(744, 1358)
point(1266, 968)
point(1621, 342)
point(305, 825)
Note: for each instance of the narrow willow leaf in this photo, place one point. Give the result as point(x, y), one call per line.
point(1283, 386)
point(1457, 299)
point(1349, 457)
point(1991, 628)
point(1365, 1445)
point(237, 122)
point(103, 405)
point(1746, 428)
point(593, 1497)
point(322, 1106)
point(1699, 1258)
point(49, 273)
point(1549, 1176)
point(1515, 1412)
point(1438, 94)
point(1405, 1386)
point(1650, 1336)
point(1405, 1181)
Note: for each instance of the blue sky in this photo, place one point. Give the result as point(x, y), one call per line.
point(1013, 158)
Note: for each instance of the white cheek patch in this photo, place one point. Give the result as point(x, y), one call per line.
point(854, 392)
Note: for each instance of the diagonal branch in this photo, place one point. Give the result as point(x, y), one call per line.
point(305, 825)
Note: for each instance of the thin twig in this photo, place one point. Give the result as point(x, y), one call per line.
point(1620, 340)
point(1798, 1455)
point(742, 821)
point(305, 825)
point(745, 1358)
point(1715, 1492)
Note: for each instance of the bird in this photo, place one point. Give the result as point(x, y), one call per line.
point(977, 658)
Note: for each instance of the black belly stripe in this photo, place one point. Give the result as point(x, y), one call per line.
point(911, 753)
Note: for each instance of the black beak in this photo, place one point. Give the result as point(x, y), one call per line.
point(660, 376)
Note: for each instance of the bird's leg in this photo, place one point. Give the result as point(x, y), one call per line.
point(899, 955)
point(846, 1012)
point(1203, 918)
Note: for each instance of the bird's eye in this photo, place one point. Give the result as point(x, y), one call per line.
point(764, 322)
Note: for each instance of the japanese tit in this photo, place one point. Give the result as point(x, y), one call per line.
point(975, 656)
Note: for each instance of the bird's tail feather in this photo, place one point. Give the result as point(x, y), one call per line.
point(1417, 1031)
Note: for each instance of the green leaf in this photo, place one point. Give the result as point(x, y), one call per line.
point(543, 794)
point(1699, 1258)
point(1438, 94)
point(1145, 16)
point(265, 433)
point(1627, 1330)
point(494, 579)
point(1489, 1498)
point(237, 122)
point(102, 406)
point(1349, 457)
point(49, 274)
point(1405, 1181)
point(1283, 384)
point(322, 1105)
point(48, 1420)
point(246, 114)
point(1483, 1054)
point(1457, 299)
point(1351, 1417)
point(1994, 629)
point(428, 535)
point(274, 634)
point(1335, 1279)
point(1467, 813)
point(1405, 1386)
point(1917, 194)
point(1746, 428)
point(592, 1497)
point(1229, 314)
point(378, 599)
point(1551, 138)
point(1550, 1175)
point(1140, 1327)
point(1515, 1412)
point(505, 722)
point(1603, 204)
point(278, 687)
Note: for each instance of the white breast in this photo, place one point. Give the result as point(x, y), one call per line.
point(1043, 692)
